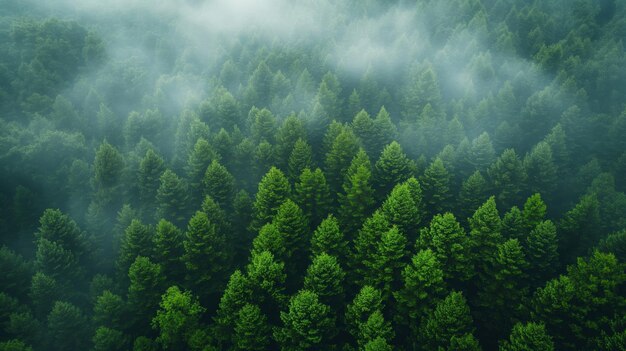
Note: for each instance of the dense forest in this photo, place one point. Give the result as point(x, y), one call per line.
point(312, 175)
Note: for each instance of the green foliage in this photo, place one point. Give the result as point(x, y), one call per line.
point(252, 332)
point(137, 241)
point(168, 249)
point(508, 178)
point(109, 311)
point(401, 210)
point(307, 325)
point(274, 189)
point(151, 168)
point(67, 327)
point(358, 199)
point(366, 245)
point(436, 186)
point(219, 184)
point(339, 157)
point(541, 251)
point(177, 318)
point(392, 167)
point(325, 278)
point(365, 303)
point(529, 336)
point(172, 198)
point(300, 159)
point(109, 339)
point(328, 238)
point(451, 319)
point(313, 195)
point(144, 293)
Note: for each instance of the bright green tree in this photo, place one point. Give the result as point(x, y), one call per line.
point(328, 238)
point(219, 184)
point(325, 278)
point(392, 167)
point(177, 318)
point(365, 303)
point(450, 319)
point(528, 336)
point(168, 249)
point(541, 251)
point(236, 295)
point(252, 331)
point(172, 199)
point(313, 195)
point(294, 229)
point(274, 189)
point(357, 200)
point(385, 268)
point(300, 158)
point(373, 328)
point(366, 246)
point(534, 212)
point(401, 210)
point(307, 325)
point(144, 293)
point(339, 157)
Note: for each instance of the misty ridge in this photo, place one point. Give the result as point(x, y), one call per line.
point(312, 175)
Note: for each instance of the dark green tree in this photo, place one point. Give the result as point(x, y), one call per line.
point(436, 186)
point(219, 184)
point(325, 277)
point(541, 170)
point(252, 331)
point(328, 238)
point(401, 210)
point(144, 293)
point(274, 189)
point(385, 268)
point(474, 192)
point(541, 251)
point(339, 157)
point(151, 168)
point(375, 327)
point(579, 229)
point(199, 159)
point(137, 241)
point(107, 339)
point(168, 250)
point(366, 246)
point(357, 200)
point(172, 199)
point(508, 178)
point(534, 212)
point(365, 303)
point(237, 294)
point(529, 336)
point(293, 227)
point(300, 158)
point(109, 311)
point(392, 167)
point(67, 328)
point(450, 319)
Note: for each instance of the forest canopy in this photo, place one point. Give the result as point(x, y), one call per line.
point(312, 175)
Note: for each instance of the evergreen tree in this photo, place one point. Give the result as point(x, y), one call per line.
point(513, 226)
point(177, 318)
point(263, 125)
point(168, 250)
point(109, 311)
point(274, 189)
point(107, 339)
point(529, 336)
point(58, 227)
point(366, 246)
point(308, 324)
point(423, 286)
point(401, 210)
point(473, 194)
point(328, 238)
point(291, 132)
point(364, 128)
point(436, 186)
point(392, 167)
point(205, 258)
point(219, 184)
point(56, 262)
point(252, 332)
point(313, 195)
point(67, 328)
point(300, 158)
point(534, 212)
point(172, 199)
point(541, 250)
point(450, 244)
point(270, 240)
point(356, 204)
point(294, 230)
point(236, 295)
point(579, 229)
point(508, 178)
point(266, 279)
point(541, 170)
point(108, 167)
point(365, 303)
point(378, 344)
point(482, 153)
point(485, 226)
point(385, 267)
point(451, 318)
point(386, 131)
point(339, 157)
point(375, 327)
point(144, 293)
point(137, 241)
point(44, 291)
point(151, 168)
point(325, 278)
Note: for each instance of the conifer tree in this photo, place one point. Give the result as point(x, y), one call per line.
point(386, 131)
point(151, 168)
point(386, 265)
point(513, 226)
point(109, 311)
point(307, 325)
point(450, 244)
point(67, 327)
point(219, 184)
point(541, 170)
point(436, 187)
point(450, 319)
point(366, 246)
point(378, 344)
point(266, 281)
point(364, 128)
point(579, 229)
point(339, 157)
point(528, 336)
point(541, 251)
point(313, 195)
point(168, 250)
point(328, 238)
point(365, 303)
point(534, 212)
point(355, 205)
point(401, 210)
point(177, 318)
point(392, 167)
point(482, 153)
point(172, 199)
point(237, 294)
point(270, 240)
point(326, 278)
point(274, 189)
point(137, 241)
point(508, 178)
point(252, 331)
point(292, 225)
point(199, 159)
point(423, 286)
point(300, 158)
point(375, 327)
point(485, 236)
point(473, 194)
point(205, 258)
point(144, 293)
point(106, 339)
point(291, 132)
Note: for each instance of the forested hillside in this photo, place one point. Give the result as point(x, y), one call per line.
point(312, 175)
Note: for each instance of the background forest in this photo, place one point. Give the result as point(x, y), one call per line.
point(312, 175)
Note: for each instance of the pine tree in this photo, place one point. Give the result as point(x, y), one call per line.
point(423, 286)
point(168, 249)
point(485, 236)
point(513, 226)
point(151, 168)
point(534, 212)
point(541, 170)
point(274, 189)
point(529, 336)
point(308, 324)
point(177, 318)
point(375, 327)
point(386, 131)
point(289, 134)
point(219, 184)
point(270, 240)
point(263, 125)
point(109, 311)
point(541, 250)
point(365, 303)
point(199, 159)
point(378, 344)
point(252, 331)
point(266, 281)
point(328, 238)
point(56, 262)
point(67, 328)
point(451, 318)
point(137, 241)
point(313, 195)
point(450, 244)
point(401, 210)
point(386, 265)
point(325, 278)
point(108, 168)
point(144, 293)
point(508, 178)
point(172, 199)
point(482, 153)
point(579, 229)
point(473, 194)
point(300, 158)
point(236, 295)
point(366, 246)
point(392, 167)
point(364, 128)
point(58, 227)
point(356, 204)
point(294, 229)
point(106, 339)
point(205, 258)
point(44, 291)
point(436, 186)
point(328, 97)
point(339, 157)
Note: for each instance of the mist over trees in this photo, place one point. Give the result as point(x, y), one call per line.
point(312, 175)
